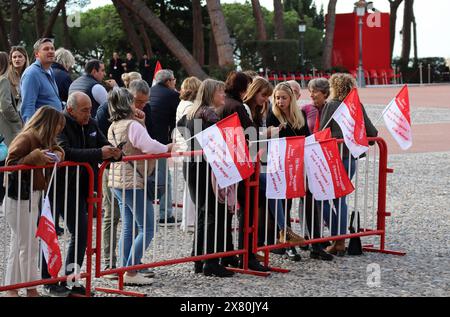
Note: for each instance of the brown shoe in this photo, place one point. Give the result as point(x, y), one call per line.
point(291, 237)
point(337, 248)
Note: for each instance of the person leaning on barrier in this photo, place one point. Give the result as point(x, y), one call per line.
point(129, 132)
point(30, 147)
point(210, 98)
point(319, 89)
point(82, 142)
point(341, 85)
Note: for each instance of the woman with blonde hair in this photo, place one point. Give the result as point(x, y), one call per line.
point(340, 86)
point(127, 78)
point(36, 145)
point(188, 93)
point(18, 62)
point(64, 62)
point(203, 113)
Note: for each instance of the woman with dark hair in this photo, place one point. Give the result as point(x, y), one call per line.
point(130, 134)
point(18, 62)
point(36, 146)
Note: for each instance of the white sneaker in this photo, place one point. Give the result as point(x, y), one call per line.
point(138, 279)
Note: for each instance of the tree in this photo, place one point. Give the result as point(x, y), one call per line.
point(329, 35)
point(198, 43)
point(278, 19)
point(129, 28)
point(53, 16)
point(221, 34)
point(408, 15)
point(394, 4)
point(139, 8)
point(260, 25)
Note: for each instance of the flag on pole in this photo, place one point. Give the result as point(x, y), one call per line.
point(49, 241)
point(398, 119)
point(226, 151)
point(285, 176)
point(158, 67)
point(350, 118)
point(318, 136)
point(327, 178)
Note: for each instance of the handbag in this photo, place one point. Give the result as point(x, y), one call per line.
point(355, 245)
point(13, 186)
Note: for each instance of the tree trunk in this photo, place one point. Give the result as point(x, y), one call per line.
point(221, 34)
point(3, 33)
point(132, 36)
point(393, 22)
point(161, 30)
point(416, 53)
point(53, 17)
point(40, 17)
point(15, 20)
point(144, 36)
point(260, 25)
point(213, 55)
point(67, 40)
point(407, 21)
point(329, 36)
point(198, 45)
point(278, 19)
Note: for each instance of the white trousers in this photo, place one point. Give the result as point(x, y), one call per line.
point(188, 218)
point(22, 217)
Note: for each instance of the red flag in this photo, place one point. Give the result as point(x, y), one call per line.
point(49, 241)
point(319, 136)
point(226, 150)
point(327, 178)
point(158, 67)
point(350, 118)
point(285, 168)
point(398, 119)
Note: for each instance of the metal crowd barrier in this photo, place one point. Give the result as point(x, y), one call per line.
point(34, 207)
point(368, 199)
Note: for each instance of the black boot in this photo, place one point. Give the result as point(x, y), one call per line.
point(216, 269)
point(198, 267)
point(293, 255)
point(320, 254)
point(232, 261)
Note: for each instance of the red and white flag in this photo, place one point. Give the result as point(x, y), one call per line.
point(350, 118)
point(158, 67)
point(318, 136)
point(285, 176)
point(226, 151)
point(327, 178)
point(398, 119)
point(49, 241)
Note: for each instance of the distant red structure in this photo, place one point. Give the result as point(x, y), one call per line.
point(376, 43)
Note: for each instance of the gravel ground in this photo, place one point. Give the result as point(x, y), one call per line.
point(418, 197)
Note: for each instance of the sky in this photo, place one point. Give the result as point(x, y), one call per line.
point(432, 22)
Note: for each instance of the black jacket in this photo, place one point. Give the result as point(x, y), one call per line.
point(63, 81)
point(81, 144)
point(163, 106)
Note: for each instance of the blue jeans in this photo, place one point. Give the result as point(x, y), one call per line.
point(273, 203)
point(343, 210)
point(161, 189)
point(131, 249)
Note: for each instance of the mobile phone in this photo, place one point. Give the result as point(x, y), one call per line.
point(121, 145)
point(53, 156)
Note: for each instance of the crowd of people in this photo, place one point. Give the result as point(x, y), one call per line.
point(46, 118)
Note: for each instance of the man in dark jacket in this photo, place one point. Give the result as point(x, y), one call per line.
point(164, 100)
point(64, 62)
point(116, 69)
point(82, 141)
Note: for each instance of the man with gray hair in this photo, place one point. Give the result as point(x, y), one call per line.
point(64, 62)
point(164, 100)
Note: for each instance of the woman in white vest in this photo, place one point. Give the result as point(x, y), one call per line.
point(129, 133)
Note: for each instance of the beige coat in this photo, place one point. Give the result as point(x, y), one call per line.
point(123, 172)
point(10, 120)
